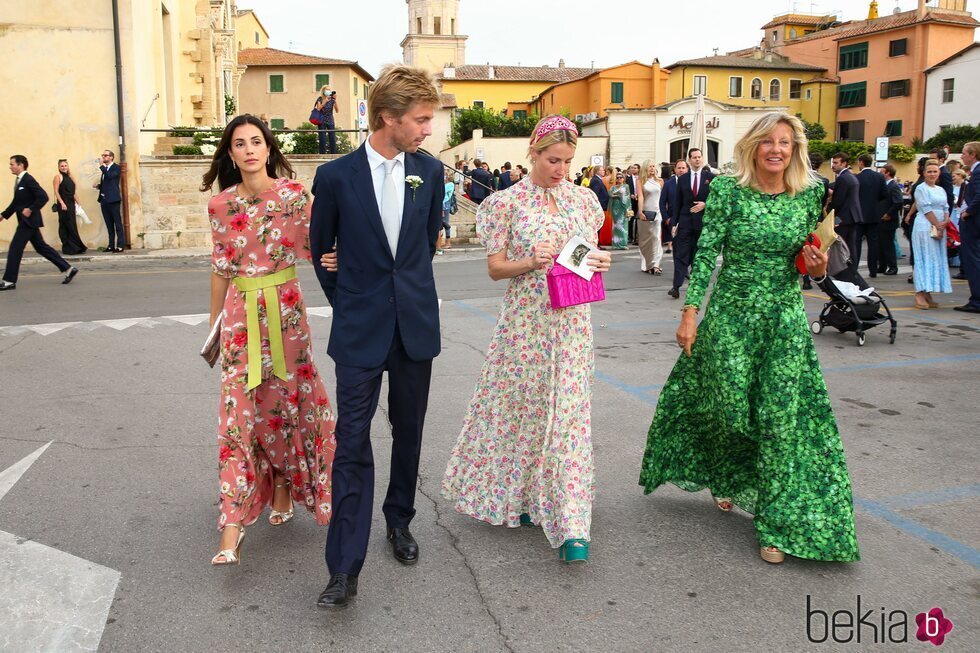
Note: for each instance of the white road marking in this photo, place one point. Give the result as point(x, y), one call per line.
point(51, 600)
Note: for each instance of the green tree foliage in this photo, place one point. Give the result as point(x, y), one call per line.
point(814, 130)
point(491, 122)
point(954, 136)
point(850, 148)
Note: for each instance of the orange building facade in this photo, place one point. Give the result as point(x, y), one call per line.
point(632, 85)
point(881, 65)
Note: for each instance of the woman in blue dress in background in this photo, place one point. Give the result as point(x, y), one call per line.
point(931, 271)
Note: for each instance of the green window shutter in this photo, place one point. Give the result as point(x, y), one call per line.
point(852, 95)
point(277, 123)
point(321, 81)
point(276, 84)
point(893, 128)
point(355, 86)
point(854, 56)
point(617, 93)
point(520, 114)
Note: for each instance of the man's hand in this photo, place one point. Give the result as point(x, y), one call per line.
point(697, 207)
point(329, 261)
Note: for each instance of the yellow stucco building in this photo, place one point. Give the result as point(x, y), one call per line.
point(758, 79)
point(283, 86)
point(178, 61)
point(249, 31)
point(497, 87)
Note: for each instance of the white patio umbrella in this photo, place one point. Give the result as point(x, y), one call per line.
point(699, 136)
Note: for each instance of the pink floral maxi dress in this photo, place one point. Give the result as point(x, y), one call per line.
point(526, 444)
point(286, 427)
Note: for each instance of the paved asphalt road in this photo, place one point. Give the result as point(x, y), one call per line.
point(105, 535)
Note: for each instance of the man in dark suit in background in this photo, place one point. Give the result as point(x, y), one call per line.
point(111, 200)
point(846, 205)
point(505, 180)
point(633, 182)
point(871, 193)
point(599, 188)
point(688, 215)
point(891, 215)
point(28, 202)
point(385, 313)
point(668, 198)
point(945, 180)
point(481, 182)
point(970, 226)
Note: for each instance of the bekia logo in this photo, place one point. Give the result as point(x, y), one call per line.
point(933, 626)
point(874, 626)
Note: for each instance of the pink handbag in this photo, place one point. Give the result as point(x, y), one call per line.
point(568, 289)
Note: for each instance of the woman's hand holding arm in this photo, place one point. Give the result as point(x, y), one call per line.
point(329, 261)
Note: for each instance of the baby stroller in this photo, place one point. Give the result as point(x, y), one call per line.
point(850, 312)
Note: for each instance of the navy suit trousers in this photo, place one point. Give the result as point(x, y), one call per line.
point(358, 391)
point(114, 224)
point(685, 249)
point(22, 236)
point(970, 256)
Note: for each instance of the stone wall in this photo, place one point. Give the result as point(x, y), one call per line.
point(172, 202)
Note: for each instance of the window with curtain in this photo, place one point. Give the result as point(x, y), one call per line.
point(948, 90)
point(775, 87)
point(734, 87)
point(756, 89)
point(700, 84)
point(795, 89)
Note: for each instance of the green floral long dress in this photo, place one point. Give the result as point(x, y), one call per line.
point(747, 415)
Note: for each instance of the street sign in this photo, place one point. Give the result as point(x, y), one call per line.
point(596, 160)
point(481, 153)
point(881, 150)
point(362, 121)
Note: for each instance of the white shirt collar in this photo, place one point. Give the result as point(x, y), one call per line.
point(375, 159)
point(20, 176)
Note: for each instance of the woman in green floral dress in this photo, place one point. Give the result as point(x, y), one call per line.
point(619, 204)
point(745, 412)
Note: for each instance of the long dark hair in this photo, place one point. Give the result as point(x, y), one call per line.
point(222, 168)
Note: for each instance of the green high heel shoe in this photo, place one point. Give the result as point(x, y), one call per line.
point(526, 519)
point(574, 551)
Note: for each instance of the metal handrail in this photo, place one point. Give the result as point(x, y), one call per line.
point(457, 172)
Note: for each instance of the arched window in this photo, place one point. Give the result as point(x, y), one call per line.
point(756, 89)
point(774, 89)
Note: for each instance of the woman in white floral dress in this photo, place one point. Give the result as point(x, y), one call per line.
point(524, 455)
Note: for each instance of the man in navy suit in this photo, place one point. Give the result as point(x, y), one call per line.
point(871, 193)
point(28, 202)
point(970, 226)
point(598, 187)
point(668, 197)
point(482, 182)
point(891, 215)
point(111, 200)
point(688, 216)
point(846, 204)
point(505, 180)
point(380, 209)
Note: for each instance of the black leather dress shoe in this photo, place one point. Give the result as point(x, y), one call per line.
point(339, 592)
point(890, 272)
point(960, 276)
point(673, 292)
point(967, 308)
point(72, 271)
point(403, 545)
point(872, 274)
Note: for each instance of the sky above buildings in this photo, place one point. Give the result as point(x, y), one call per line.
point(540, 32)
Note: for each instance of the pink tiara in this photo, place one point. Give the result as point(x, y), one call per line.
point(557, 123)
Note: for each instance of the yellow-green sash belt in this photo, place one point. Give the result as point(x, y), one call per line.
point(251, 286)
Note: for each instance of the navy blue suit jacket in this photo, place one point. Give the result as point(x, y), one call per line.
point(871, 193)
point(845, 202)
point(668, 197)
point(686, 197)
point(109, 184)
point(971, 200)
point(29, 195)
point(600, 191)
point(371, 290)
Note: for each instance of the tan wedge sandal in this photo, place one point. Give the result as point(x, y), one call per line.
point(724, 503)
point(772, 555)
point(230, 556)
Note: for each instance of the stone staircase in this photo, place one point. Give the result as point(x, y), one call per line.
point(165, 144)
point(464, 220)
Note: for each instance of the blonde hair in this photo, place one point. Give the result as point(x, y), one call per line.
point(644, 175)
point(973, 147)
point(551, 138)
point(396, 91)
point(798, 176)
point(960, 173)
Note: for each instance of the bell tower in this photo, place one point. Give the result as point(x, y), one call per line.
point(433, 41)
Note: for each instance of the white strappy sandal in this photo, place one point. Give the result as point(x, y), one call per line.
point(230, 556)
point(283, 517)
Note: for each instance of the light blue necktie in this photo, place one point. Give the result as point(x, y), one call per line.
point(390, 211)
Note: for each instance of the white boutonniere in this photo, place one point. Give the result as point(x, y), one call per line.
point(414, 181)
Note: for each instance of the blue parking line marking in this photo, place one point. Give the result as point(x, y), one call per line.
point(942, 542)
point(932, 497)
point(963, 358)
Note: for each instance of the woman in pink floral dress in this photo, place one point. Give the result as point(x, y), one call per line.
point(524, 455)
point(276, 427)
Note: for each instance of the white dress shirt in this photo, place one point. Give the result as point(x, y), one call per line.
point(376, 163)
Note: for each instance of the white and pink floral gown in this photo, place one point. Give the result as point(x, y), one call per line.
point(286, 426)
point(526, 444)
